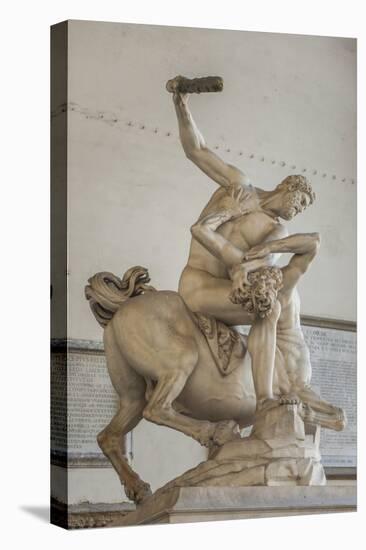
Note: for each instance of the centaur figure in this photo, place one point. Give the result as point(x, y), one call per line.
point(173, 358)
point(153, 340)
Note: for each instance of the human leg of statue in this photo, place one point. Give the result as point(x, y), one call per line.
point(204, 293)
point(262, 349)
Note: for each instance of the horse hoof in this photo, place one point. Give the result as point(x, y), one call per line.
point(341, 421)
point(139, 492)
point(225, 431)
point(143, 494)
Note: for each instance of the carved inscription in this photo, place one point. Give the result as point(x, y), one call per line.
point(58, 402)
point(333, 359)
point(91, 403)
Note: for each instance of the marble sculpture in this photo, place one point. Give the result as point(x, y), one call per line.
point(178, 359)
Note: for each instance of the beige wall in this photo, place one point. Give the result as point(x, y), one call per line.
point(132, 193)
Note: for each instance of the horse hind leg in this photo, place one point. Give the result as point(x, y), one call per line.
point(162, 410)
point(111, 440)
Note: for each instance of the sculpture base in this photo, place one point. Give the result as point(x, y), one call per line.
point(194, 504)
point(279, 451)
point(276, 471)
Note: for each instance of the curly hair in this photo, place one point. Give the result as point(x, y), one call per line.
point(260, 295)
point(298, 183)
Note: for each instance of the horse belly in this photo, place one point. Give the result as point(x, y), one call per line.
point(209, 395)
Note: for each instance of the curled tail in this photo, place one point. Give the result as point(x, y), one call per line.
point(107, 292)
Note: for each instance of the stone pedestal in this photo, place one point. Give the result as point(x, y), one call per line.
point(276, 471)
point(193, 504)
point(279, 451)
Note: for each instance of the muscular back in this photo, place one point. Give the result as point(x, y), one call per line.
point(244, 232)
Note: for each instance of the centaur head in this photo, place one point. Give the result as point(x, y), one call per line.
point(259, 296)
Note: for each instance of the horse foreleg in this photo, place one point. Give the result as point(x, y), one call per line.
point(160, 410)
point(111, 442)
point(319, 411)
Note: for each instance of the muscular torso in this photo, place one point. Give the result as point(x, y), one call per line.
point(244, 232)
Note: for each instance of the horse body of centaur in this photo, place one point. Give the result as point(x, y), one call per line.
point(163, 370)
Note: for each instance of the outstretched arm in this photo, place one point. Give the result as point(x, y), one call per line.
point(304, 246)
point(195, 148)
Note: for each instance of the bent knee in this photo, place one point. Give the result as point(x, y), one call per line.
point(156, 413)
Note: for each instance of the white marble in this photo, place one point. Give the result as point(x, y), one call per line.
point(221, 503)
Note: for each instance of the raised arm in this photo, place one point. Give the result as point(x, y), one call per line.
point(196, 150)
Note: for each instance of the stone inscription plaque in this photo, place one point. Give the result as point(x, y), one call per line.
point(333, 359)
point(91, 404)
point(92, 401)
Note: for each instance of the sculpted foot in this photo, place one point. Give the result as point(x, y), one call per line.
point(341, 421)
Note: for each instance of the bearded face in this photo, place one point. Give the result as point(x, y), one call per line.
point(294, 202)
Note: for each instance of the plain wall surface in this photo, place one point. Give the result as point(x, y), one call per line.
point(133, 195)
point(288, 106)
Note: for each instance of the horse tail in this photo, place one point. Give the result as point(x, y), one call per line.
point(107, 292)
